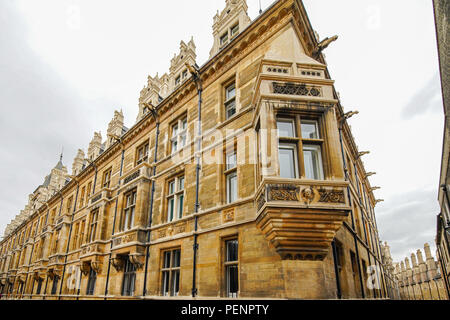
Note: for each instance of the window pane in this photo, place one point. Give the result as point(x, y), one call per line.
point(175, 282)
point(234, 30)
point(176, 258)
point(232, 187)
point(310, 130)
point(180, 206)
point(232, 250)
point(231, 109)
point(230, 92)
point(313, 162)
point(184, 124)
point(231, 160)
point(286, 128)
point(171, 187)
point(287, 161)
point(165, 283)
point(170, 209)
point(181, 184)
point(167, 259)
point(232, 281)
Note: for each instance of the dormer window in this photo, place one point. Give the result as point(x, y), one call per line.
point(224, 39)
point(177, 80)
point(234, 31)
point(185, 74)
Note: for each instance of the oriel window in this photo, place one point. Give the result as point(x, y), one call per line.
point(129, 278)
point(128, 213)
point(230, 100)
point(231, 268)
point(171, 273)
point(299, 139)
point(175, 199)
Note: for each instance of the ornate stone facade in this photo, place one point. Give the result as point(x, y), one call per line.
point(127, 224)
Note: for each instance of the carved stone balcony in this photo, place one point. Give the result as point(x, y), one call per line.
point(141, 172)
point(301, 218)
point(131, 243)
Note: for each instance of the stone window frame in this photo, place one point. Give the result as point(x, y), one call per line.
point(92, 279)
point(176, 195)
point(128, 216)
point(82, 196)
point(226, 264)
point(128, 287)
point(298, 118)
point(230, 172)
point(142, 153)
point(106, 179)
point(232, 80)
point(228, 36)
point(93, 225)
point(182, 132)
point(168, 271)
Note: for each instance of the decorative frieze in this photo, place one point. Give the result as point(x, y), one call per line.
point(296, 89)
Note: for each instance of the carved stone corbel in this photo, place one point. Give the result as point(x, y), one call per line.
point(117, 263)
point(137, 260)
point(84, 267)
point(96, 266)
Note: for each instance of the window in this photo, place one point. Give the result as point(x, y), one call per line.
point(175, 199)
point(231, 176)
point(231, 268)
point(179, 131)
point(93, 225)
point(129, 278)
point(177, 80)
point(56, 243)
point(224, 39)
point(75, 236)
point(185, 74)
point(39, 286)
point(230, 100)
point(83, 192)
point(89, 190)
point(128, 213)
point(106, 178)
point(171, 272)
point(91, 282)
point(287, 153)
point(142, 154)
point(69, 204)
point(81, 239)
point(234, 31)
point(289, 145)
point(55, 284)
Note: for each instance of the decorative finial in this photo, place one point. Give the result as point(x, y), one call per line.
point(260, 8)
point(61, 156)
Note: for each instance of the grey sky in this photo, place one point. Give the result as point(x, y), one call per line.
point(66, 65)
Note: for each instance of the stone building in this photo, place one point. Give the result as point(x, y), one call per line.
point(267, 198)
point(442, 11)
point(421, 279)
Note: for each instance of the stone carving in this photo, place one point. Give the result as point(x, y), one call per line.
point(228, 215)
point(296, 89)
point(261, 201)
point(283, 192)
point(137, 259)
point(117, 263)
point(331, 196)
point(308, 194)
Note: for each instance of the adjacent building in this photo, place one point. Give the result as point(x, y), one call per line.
point(441, 10)
point(267, 198)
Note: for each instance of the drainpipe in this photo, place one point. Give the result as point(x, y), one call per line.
point(68, 239)
point(114, 220)
point(150, 212)
point(195, 72)
point(346, 116)
point(336, 270)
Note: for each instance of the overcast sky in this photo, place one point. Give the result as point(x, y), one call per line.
point(66, 65)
